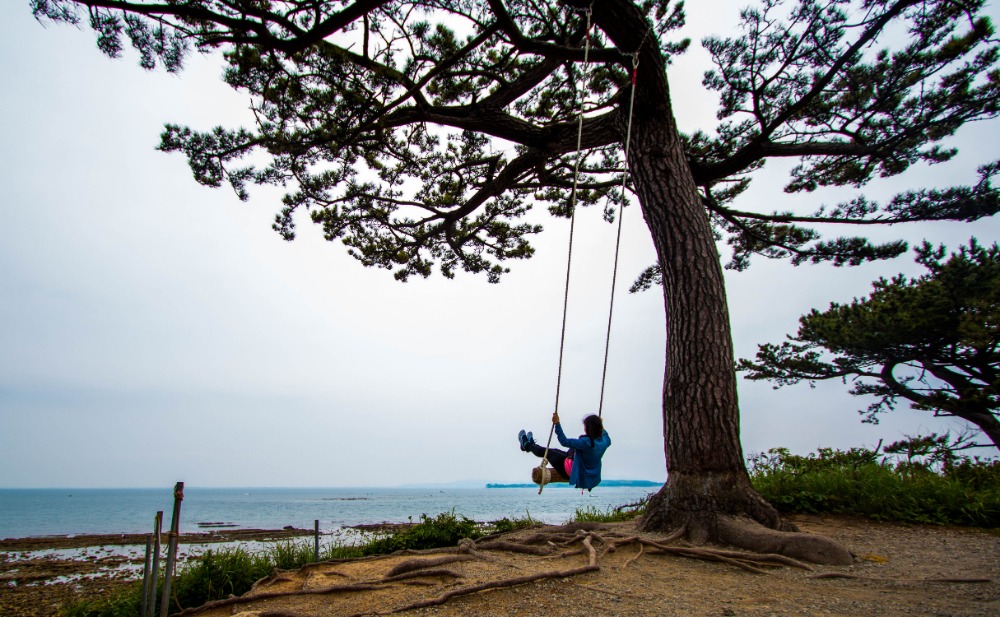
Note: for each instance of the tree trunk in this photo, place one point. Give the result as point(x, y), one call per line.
point(708, 489)
point(701, 430)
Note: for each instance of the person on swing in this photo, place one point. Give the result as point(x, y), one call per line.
point(581, 463)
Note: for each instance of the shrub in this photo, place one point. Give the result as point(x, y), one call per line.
point(446, 529)
point(957, 491)
point(216, 574)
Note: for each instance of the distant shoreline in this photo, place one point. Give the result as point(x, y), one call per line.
point(605, 483)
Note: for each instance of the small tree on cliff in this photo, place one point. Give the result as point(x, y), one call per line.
point(933, 341)
point(416, 92)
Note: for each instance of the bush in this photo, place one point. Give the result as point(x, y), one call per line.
point(216, 574)
point(444, 530)
point(956, 491)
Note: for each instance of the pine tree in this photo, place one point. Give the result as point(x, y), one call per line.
point(932, 341)
point(378, 116)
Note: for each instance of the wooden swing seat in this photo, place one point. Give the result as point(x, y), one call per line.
point(547, 475)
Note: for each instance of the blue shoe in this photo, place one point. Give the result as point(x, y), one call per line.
point(524, 439)
point(531, 439)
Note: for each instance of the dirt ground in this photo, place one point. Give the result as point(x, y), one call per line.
point(898, 570)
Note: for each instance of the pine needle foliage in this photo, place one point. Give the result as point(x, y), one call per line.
point(932, 341)
point(380, 119)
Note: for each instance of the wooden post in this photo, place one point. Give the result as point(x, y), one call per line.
point(316, 523)
point(168, 574)
point(145, 576)
point(155, 572)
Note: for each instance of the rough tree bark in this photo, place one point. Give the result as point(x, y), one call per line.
point(708, 489)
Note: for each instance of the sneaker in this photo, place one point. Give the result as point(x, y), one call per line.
point(531, 439)
point(524, 439)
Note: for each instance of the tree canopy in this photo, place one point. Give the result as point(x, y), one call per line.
point(347, 96)
point(932, 341)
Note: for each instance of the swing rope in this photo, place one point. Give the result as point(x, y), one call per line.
point(618, 239)
point(569, 257)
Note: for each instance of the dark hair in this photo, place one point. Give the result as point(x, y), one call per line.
point(593, 426)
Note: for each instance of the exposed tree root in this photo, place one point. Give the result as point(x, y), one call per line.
point(422, 573)
point(723, 508)
point(744, 533)
point(900, 580)
point(592, 540)
point(270, 614)
point(642, 547)
point(500, 534)
point(711, 554)
point(246, 599)
point(676, 535)
point(510, 582)
point(425, 551)
point(417, 564)
point(514, 548)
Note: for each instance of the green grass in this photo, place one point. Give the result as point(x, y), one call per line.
point(958, 491)
point(626, 512)
point(506, 525)
point(218, 573)
point(446, 529)
point(125, 604)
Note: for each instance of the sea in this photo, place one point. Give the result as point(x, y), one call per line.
point(28, 513)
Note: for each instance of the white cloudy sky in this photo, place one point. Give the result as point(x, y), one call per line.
point(153, 330)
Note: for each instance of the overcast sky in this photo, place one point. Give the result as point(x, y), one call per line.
point(153, 330)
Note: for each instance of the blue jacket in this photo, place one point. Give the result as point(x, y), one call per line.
point(587, 460)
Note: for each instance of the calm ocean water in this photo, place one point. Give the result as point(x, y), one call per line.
point(42, 512)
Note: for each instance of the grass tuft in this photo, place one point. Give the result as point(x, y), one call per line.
point(618, 514)
point(506, 525)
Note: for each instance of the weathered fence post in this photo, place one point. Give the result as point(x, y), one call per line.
point(150, 591)
point(145, 576)
point(175, 523)
point(317, 539)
